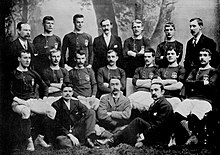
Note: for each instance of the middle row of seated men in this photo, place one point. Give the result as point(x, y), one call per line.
point(114, 109)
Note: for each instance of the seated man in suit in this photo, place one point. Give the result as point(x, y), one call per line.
point(105, 42)
point(142, 99)
point(200, 89)
point(155, 126)
point(73, 120)
point(173, 77)
point(114, 109)
point(105, 73)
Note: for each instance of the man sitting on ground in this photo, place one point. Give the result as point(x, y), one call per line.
point(74, 121)
point(114, 109)
point(155, 126)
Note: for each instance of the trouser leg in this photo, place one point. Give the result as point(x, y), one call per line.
point(90, 121)
point(129, 134)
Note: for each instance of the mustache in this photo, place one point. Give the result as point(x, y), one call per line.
point(154, 96)
point(68, 95)
point(115, 89)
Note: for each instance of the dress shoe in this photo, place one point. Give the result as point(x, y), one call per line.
point(107, 141)
point(40, 141)
point(192, 140)
point(139, 144)
point(30, 145)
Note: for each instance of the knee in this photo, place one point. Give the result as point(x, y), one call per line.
point(91, 112)
point(25, 112)
point(51, 113)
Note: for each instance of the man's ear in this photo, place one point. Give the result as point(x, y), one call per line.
point(116, 58)
point(177, 56)
point(163, 91)
point(19, 59)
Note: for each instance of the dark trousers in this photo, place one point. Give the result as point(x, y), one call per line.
point(129, 134)
point(82, 130)
point(19, 129)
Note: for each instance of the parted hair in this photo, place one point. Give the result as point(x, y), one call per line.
point(199, 21)
point(77, 16)
point(47, 18)
point(66, 84)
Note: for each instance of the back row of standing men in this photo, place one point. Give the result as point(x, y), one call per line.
point(130, 57)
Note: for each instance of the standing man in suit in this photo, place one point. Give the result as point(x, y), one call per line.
point(19, 44)
point(195, 44)
point(134, 48)
point(77, 40)
point(44, 42)
point(104, 43)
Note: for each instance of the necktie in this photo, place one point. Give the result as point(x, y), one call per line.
point(25, 46)
point(194, 42)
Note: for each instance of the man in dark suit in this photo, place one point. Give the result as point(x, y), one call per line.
point(19, 44)
point(195, 44)
point(155, 126)
point(74, 120)
point(104, 43)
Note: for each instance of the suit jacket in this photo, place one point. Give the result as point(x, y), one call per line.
point(69, 118)
point(192, 53)
point(121, 109)
point(100, 51)
point(160, 117)
point(15, 47)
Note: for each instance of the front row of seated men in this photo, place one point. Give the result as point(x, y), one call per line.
point(69, 122)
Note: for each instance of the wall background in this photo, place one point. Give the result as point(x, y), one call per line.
point(154, 13)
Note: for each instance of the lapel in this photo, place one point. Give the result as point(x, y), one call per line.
point(72, 105)
point(68, 112)
point(102, 41)
point(65, 108)
point(111, 100)
point(18, 43)
point(201, 40)
point(112, 40)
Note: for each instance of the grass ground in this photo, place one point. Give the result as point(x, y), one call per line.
point(121, 149)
